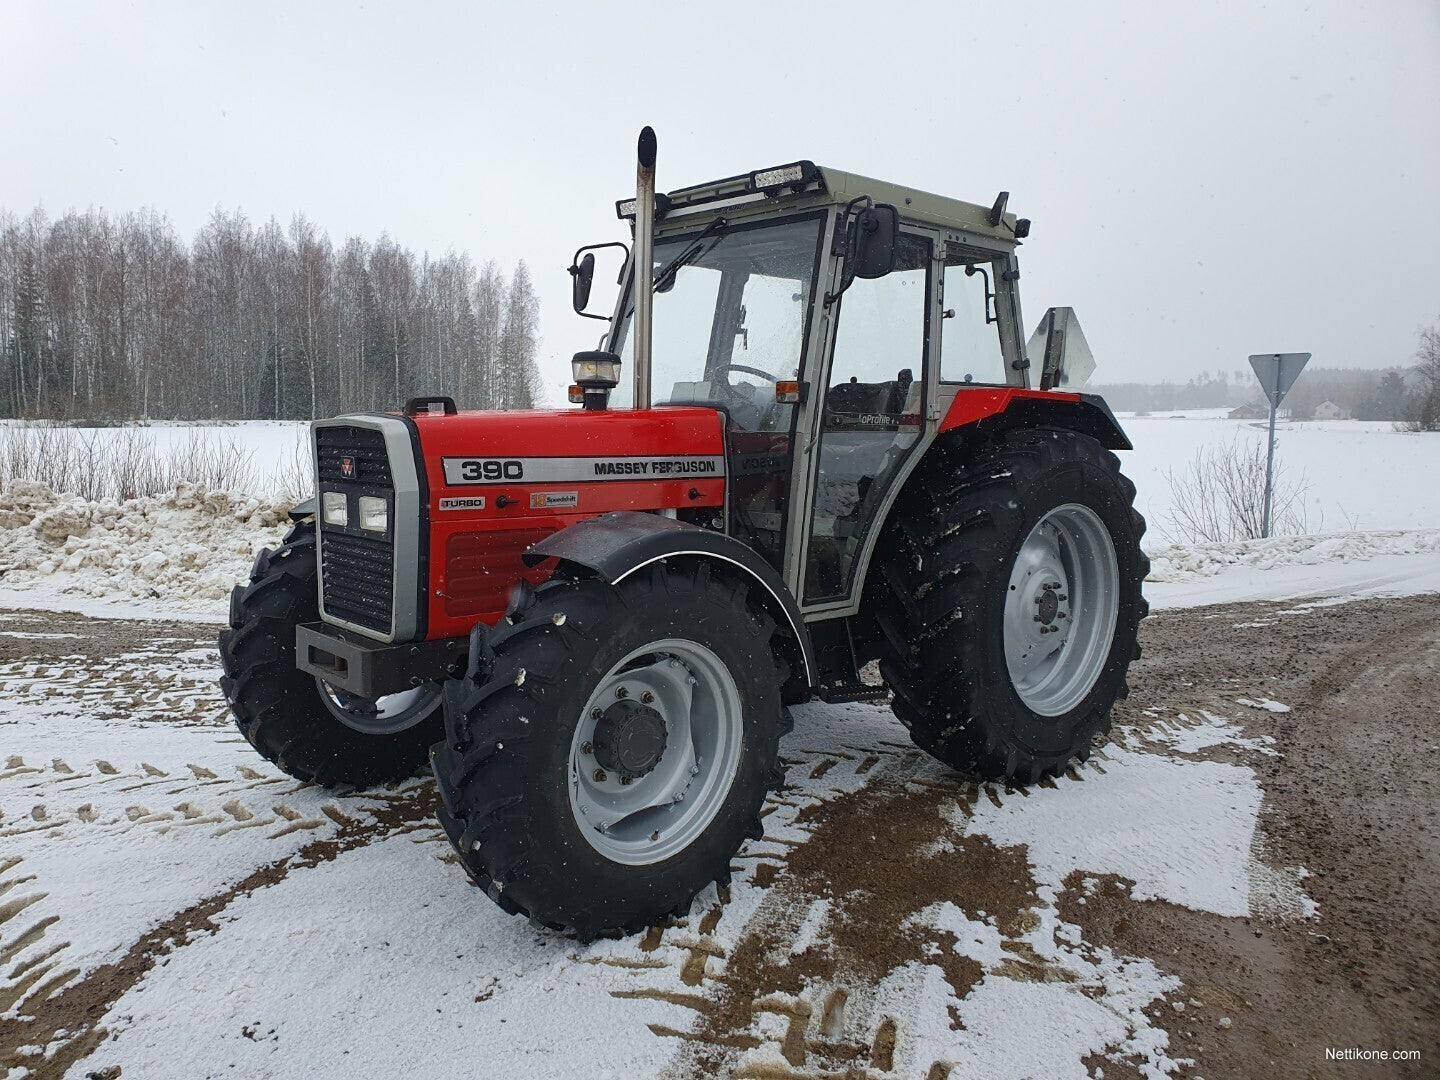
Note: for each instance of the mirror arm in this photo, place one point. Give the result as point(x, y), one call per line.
point(847, 276)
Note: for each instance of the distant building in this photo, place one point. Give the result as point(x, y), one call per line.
point(1250, 412)
point(1328, 410)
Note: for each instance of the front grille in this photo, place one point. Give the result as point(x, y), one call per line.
point(359, 573)
point(357, 568)
point(364, 448)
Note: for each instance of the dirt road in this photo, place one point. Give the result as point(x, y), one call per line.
point(794, 971)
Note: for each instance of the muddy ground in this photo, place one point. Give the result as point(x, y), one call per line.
point(1353, 797)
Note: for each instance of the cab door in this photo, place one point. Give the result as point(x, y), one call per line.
point(872, 420)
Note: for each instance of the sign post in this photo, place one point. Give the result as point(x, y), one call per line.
point(1277, 372)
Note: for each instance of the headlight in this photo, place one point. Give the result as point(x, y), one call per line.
point(374, 515)
point(334, 508)
point(596, 370)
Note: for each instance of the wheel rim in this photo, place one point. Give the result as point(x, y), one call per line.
point(384, 715)
point(663, 809)
point(1061, 609)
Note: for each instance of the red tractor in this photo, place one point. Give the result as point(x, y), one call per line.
point(836, 447)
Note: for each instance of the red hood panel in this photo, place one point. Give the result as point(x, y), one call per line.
point(571, 432)
point(501, 481)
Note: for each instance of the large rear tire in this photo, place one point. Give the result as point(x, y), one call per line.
point(310, 731)
point(611, 746)
point(1008, 598)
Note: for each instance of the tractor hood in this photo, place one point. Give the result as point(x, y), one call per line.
point(497, 482)
point(522, 453)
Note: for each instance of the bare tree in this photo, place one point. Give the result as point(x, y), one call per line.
point(1220, 496)
point(1423, 410)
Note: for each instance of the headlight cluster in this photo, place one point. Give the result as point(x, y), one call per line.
point(374, 513)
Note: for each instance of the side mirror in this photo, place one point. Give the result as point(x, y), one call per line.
point(582, 276)
point(869, 245)
point(871, 251)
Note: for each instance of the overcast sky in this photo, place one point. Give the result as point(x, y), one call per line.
point(1205, 180)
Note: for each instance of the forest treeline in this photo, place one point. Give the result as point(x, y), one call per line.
point(1398, 394)
point(114, 317)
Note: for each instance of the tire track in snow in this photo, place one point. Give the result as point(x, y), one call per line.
point(67, 1023)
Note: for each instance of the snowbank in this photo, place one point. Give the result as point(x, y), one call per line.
point(184, 550)
point(1192, 561)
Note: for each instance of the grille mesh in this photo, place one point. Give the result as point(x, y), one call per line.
point(364, 447)
point(359, 575)
point(358, 570)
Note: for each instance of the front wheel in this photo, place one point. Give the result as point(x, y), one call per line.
point(303, 725)
point(1009, 601)
point(611, 749)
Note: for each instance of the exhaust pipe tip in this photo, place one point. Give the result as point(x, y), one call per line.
point(645, 149)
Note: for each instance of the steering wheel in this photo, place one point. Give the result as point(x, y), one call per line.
point(747, 370)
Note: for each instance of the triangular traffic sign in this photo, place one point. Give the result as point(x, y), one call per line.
point(1277, 372)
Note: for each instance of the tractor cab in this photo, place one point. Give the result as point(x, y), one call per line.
point(831, 312)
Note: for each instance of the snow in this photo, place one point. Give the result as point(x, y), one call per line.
point(180, 553)
point(1181, 830)
point(384, 955)
point(1361, 475)
point(1388, 563)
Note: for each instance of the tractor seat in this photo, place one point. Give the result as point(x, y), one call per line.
point(880, 397)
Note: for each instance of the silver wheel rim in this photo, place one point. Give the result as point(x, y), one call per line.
point(1061, 609)
point(384, 715)
point(660, 814)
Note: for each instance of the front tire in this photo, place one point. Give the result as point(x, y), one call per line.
point(310, 731)
point(1009, 601)
point(611, 747)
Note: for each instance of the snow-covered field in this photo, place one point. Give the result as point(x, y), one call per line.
point(1373, 502)
point(1359, 475)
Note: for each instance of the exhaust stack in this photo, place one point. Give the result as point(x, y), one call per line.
point(644, 262)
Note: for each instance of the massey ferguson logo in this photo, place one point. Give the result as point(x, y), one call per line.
point(347, 468)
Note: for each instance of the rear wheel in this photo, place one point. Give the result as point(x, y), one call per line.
point(612, 745)
point(1009, 600)
point(303, 725)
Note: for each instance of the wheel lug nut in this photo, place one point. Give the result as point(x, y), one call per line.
point(621, 692)
point(625, 781)
point(1062, 596)
point(600, 776)
point(646, 698)
point(596, 713)
point(587, 748)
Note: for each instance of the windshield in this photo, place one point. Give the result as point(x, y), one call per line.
point(730, 321)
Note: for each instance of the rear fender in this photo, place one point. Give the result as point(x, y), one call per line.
point(990, 410)
point(616, 545)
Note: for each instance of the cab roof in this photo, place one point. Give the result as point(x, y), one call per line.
point(804, 184)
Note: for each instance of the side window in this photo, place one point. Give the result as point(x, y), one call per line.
point(872, 414)
point(970, 337)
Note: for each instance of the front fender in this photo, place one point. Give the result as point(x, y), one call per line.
point(617, 544)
